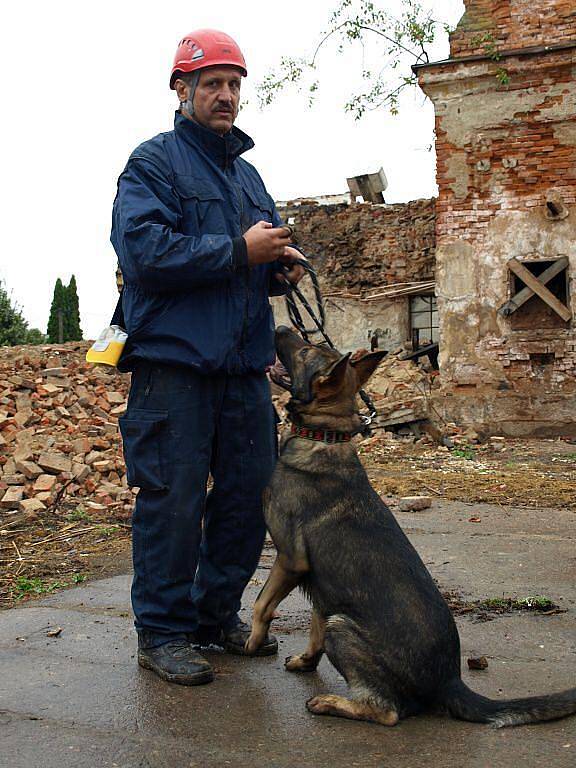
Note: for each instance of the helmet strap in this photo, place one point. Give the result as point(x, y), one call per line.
point(188, 104)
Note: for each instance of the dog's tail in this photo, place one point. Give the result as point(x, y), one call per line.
point(464, 704)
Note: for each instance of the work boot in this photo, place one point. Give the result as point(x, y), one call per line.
point(233, 640)
point(176, 662)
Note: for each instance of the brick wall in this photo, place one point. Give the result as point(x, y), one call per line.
point(513, 24)
point(503, 152)
point(361, 246)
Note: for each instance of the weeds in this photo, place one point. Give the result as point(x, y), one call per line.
point(535, 603)
point(25, 586)
point(108, 530)
point(464, 453)
point(78, 514)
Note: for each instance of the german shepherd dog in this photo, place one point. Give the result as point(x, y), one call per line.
point(377, 612)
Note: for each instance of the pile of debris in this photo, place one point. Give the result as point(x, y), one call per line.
point(401, 391)
point(59, 437)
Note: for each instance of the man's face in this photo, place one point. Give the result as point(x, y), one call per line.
point(217, 98)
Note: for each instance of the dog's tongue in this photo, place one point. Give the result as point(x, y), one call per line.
point(279, 375)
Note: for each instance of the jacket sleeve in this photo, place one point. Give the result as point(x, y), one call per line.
point(151, 250)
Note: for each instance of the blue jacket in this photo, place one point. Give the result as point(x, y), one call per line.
point(183, 202)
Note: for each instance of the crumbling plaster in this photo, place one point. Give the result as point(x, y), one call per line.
point(503, 151)
point(351, 323)
point(471, 287)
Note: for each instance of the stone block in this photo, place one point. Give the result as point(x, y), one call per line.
point(31, 506)
point(12, 497)
point(55, 463)
point(45, 483)
point(29, 468)
point(414, 503)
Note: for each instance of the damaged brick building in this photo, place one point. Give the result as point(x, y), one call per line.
point(499, 241)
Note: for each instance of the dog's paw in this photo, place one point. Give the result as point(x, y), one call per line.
point(326, 704)
point(251, 646)
point(300, 663)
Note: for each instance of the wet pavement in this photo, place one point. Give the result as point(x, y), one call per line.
point(80, 699)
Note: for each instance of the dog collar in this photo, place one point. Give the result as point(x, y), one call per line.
point(329, 436)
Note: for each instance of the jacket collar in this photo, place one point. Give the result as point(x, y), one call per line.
point(223, 150)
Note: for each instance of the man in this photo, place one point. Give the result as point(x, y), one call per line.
point(200, 246)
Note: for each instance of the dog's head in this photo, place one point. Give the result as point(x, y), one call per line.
point(324, 382)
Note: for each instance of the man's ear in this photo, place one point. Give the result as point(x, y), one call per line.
point(331, 381)
point(366, 364)
point(182, 90)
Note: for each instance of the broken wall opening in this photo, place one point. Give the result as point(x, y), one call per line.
point(536, 313)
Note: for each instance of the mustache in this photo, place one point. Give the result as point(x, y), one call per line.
point(223, 108)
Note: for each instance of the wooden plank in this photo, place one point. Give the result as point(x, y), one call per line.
point(522, 296)
point(421, 288)
point(540, 290)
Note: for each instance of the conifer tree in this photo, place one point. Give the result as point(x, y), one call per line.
point(59, 307)
point(73, 331)
point(64, 303)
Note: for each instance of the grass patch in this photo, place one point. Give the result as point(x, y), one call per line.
point(24, 586)
point(78, 514)
point(108, 530)
point(464, 453)
point(536, 603)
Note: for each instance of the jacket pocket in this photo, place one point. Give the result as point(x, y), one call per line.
point(201, 204)
point(262, 202)
point(143, 437)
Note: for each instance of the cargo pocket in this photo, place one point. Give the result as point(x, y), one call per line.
point(262, 203)
point(143, 437)
point(202, 204)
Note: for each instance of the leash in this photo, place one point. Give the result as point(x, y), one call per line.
point(318, 317)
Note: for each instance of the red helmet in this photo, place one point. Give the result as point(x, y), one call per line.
point(206, 48)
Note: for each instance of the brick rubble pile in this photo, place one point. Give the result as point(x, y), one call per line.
point(59, 437)
point(401, 390)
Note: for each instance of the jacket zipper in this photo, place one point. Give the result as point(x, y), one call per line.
point(246, 275)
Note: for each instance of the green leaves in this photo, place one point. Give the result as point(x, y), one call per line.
point(401, 42)
point(488, 42)
point(13, 327)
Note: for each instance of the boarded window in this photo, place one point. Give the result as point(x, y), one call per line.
point(535, 313)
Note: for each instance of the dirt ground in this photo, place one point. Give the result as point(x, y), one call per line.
point(69, 545)
point(73, 696)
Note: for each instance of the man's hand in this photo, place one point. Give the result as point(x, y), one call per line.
point(266, 243)
point(297, 272)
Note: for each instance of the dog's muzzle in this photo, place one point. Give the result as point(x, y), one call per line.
point(280, 376)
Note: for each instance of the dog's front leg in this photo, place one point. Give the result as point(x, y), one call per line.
point(309, 660)
point(279, 583)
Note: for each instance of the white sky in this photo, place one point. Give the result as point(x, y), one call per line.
point(84, 83)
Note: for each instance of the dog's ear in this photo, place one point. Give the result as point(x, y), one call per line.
point(365, 365)
point(331, 381)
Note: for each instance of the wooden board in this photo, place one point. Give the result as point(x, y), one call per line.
point(539, 289)
point(522, 296)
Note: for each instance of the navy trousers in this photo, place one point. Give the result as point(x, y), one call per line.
point(195, 552)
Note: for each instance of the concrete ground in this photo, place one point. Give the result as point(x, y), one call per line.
point(80, 699)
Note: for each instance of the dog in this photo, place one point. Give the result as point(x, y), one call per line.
point(377, 612)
